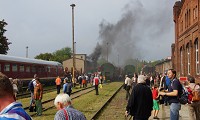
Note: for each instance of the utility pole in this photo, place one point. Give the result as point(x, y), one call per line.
point(26, 51)
point(107, 52)
point(73, 74)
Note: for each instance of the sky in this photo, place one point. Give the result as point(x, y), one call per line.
point(124, 29)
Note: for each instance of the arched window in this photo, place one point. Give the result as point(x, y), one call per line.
point(197, 56)
point(188, 58)
point(181, 60)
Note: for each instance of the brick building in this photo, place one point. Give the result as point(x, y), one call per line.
point(185, 51)
point(163, 66)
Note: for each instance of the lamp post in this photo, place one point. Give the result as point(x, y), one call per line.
point(73, 74)
point(26, 51)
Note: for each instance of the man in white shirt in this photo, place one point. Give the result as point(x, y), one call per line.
point(128, 86)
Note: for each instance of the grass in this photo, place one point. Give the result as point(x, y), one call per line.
point(88, 104)
point(26, 101)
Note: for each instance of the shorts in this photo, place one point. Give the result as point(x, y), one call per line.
point(155, 105)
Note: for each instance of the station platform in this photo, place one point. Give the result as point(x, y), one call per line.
point(164, 113)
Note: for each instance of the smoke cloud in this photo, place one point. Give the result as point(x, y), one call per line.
point(142, 33)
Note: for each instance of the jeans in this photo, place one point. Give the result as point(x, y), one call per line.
point(32, 99)
point(174, 111)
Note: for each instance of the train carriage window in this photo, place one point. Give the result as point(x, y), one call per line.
point(21, 68)
point(43, 69)
point(27, 68)
point(14, 67)
point(33, 69)
point(39, 69)
point(7, 67)
point(48, 69)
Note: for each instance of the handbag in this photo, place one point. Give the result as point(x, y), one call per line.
point(196, 94)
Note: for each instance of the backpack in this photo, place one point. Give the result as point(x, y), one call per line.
point(69, 87)
point(31, 86)
point(96, 81)
point(196, 94)
point(183, 97)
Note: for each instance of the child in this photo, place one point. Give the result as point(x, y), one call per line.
point(155, 101)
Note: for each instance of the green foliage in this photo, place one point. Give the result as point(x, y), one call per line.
point(62, 55)
point(59, 55)
point(3, 40)
point(45, 56)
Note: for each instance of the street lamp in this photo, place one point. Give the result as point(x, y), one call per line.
point(73, 74)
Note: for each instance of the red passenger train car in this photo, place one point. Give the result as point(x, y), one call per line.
point(25, 68)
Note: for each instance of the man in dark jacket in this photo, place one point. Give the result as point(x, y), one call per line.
point(140, 103)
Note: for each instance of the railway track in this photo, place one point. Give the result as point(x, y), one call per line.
point(27, 94)
point(95, 116)
point(49, 105)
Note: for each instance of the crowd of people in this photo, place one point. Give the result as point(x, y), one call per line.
point(149, 91)
point(10, 109)
point(144, 94)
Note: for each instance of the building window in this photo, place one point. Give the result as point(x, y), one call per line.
point(185, 21)
point(196, 12)
point(188, 58)
point(21, 68)
point(7, 67)
point(182, 26)
point(181, 60)
point(189, 17)
point(27, 68)
point(14, 67)
point(197, 56)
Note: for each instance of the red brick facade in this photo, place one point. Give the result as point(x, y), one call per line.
point(185, 51)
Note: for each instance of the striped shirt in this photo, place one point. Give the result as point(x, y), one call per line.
point(71, 114)
point(14, 111)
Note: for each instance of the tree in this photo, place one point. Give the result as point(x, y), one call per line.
point(3, 40)
point(59, 55)
point(62, 54)
point(45, 56)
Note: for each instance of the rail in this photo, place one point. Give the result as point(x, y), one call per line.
point(106, 103)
